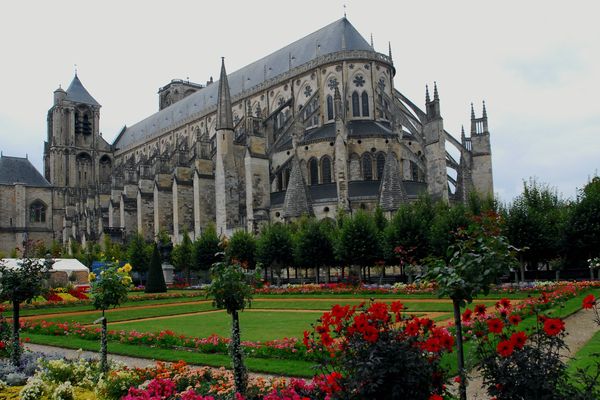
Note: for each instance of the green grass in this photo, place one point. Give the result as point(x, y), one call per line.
point(270, 366)
point(255, 326)
point(587, 357)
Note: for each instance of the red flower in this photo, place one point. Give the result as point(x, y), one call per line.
point(396, 307)
point(305, 340)
point(480, 309)
point(503, 303)
point(457, 379)
point(515, 319)
point(589, 301)
point(435, 397)
point(553, 326)
point(412, 328)
point(466, 316)
point(495, 325)
point(518, 339)
point(505, 348)
point(326, 339)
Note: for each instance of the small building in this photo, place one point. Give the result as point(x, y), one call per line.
point(64, 270)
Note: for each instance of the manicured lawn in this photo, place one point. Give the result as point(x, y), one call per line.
point(587, 357)
point(255, 325)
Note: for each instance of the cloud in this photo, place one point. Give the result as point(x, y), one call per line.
point(552, 67)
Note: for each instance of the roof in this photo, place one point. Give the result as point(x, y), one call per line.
point(60, 264)
point(78, 94)
point(337, 36)
point(20, 170)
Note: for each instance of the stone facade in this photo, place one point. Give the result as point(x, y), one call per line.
point(312, 128)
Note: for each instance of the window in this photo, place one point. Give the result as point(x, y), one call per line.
point(329, 107)
point(326, 169)
point(313, 166)
point(367, 167)
point(380, 165)
point(414, 171)
point(365, 104)
point(355, 105)
point(37, 212)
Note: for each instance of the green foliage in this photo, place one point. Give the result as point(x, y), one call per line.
point(241, 248)
point(156, 280)
point(358, 241)
point(446, 221)
point(275, 246)
point(113, 252)
point(24, 283)
point(231, 287)
point(478, 258)
point(535, 222)
point(111, 287)
point(139, 253)
point(583, 228)
point(313, 247)
point(182, 255)
point(206, 249)
point(409, 228)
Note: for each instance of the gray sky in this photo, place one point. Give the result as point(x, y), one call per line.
point(536, 63)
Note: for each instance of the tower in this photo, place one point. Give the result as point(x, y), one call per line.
point(227, 196)
point(435, 147)
point(481, 154)
point(341, 152)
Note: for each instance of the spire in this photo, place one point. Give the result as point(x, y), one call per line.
point(372, 46)
point(436, 97)
point(297, 201)
point(77, 93)
point(391, 191)
point(390, 49)
point(337, 103)
point(472, 112)
point(427, 99)
point(463, 138)
point(484, 114)
point(224, 116)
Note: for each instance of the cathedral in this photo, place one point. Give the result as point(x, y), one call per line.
point(313, 128)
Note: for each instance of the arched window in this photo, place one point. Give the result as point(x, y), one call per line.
point(313, 166)
point(87, 125)
point(414, 171)
point(365, 104)
point(380, 165)
point(355, 105)
point(326, 169)
point(279, 181)
point(329, 107)
point(105, 169)
point(286, 176)
point(367, 167)
point(37, 212)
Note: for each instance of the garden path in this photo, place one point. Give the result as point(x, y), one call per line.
point(580, 328)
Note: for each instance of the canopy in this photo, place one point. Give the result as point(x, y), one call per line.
point(60, 264)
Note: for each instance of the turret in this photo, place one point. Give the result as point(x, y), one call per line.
point(482, 153)
point(59, 95)
point(435, 147)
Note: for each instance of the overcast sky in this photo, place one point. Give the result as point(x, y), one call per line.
point(536, 63)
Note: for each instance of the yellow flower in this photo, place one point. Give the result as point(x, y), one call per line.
point(127, 268)
point(92, 277)
point(120, 270)
point(126, 281)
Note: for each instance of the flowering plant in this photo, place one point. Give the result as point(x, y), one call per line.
point(366, 352)
point(519, 363)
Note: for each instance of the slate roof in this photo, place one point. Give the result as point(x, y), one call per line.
point(78, 94)
point(330, 39)
point(20, 170)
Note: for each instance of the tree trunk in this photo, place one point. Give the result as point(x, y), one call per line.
point(104, 346)
point(328, 274)
point(462, 386)
point(188, 276)
point(240, 375)
point(16, 351)
point(317, 274)
point(522, 272)
point(342, 272)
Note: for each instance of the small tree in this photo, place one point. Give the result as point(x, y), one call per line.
point(275, 248)
point(21, 284)
point(182, 256)
point(312, 249)
point(138, 254)
point(156, 279)
point(231, 290)
point(109, 290)
point(358, 242)
point(206, 250)
point(480, 255)
point(241, 247)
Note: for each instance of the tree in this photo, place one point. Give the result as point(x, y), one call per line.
point(479, 257)
point(583, 228)
point(109, 290)
point(358, 242)
point(182, 256)
point(312, 247)
point(535, 223)
point(206, 249)
point(241, 248)
point(231, 290)
point(156, 279)
point(138, 254)
point(21, 284)
point(409, 228)
point(446, 221)
point(275, 248)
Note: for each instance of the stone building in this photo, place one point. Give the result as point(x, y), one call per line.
point(312, 128)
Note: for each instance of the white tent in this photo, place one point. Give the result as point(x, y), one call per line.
point(60, 264)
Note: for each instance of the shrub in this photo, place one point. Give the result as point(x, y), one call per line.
point(367, 353)
point(34, 389)
point(63, 391)
point(156, 280)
